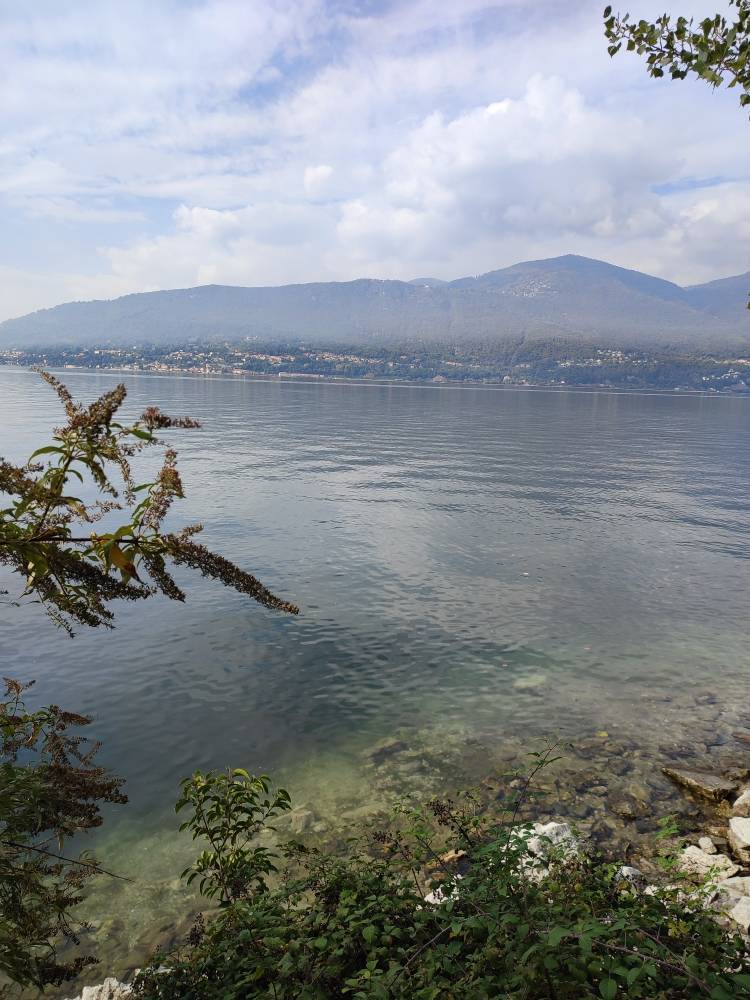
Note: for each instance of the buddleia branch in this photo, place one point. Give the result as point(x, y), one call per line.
point(48, 534)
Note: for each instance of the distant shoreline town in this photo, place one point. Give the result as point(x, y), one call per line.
point(535, 365)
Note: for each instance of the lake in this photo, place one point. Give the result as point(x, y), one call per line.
point(477, 569)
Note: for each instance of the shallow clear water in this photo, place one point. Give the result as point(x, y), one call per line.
point(471, 564)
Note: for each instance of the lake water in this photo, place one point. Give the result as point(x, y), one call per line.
point(476, 569)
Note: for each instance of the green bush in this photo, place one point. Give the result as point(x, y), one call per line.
point(359, 926)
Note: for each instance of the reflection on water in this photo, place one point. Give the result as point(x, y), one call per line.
point(480, 563)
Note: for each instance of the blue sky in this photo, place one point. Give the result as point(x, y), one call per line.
point(164, 144)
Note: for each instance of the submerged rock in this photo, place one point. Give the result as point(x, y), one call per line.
point(739, 838)
point(386, 749)
point(627, 808)
point(301, 820)
point(707, 786)
point(529, 682)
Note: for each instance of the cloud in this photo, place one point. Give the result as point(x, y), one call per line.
point(154, 146)
point(316, 178)
point(538, 167)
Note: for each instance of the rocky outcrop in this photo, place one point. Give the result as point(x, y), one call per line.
point(720, 868)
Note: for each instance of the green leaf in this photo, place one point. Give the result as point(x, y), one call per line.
point(556, 935)
point(608, 989)
point(369, 933)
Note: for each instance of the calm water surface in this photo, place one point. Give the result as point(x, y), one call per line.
point(469, 563)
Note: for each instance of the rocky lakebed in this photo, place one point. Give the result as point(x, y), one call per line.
point(633, 801)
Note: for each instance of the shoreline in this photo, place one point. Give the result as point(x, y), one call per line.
point(294, 377)
point(710, 859)
point(610, 788)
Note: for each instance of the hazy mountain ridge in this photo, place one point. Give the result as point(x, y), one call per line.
point(571, 297)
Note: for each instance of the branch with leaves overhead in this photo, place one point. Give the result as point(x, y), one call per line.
point(48, 535)
point(714, 49)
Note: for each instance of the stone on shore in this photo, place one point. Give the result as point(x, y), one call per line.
point(626, 875)
point(741, 805)
point(551, 838)
point(707, 786)
point(740, 913)
point(110, 989)
point(694, 861)
point(739, 838)
point(707, 845)
point(439, 895)
point(731, 899)
point(736, 886)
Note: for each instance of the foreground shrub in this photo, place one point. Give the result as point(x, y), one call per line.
point(506, 924)
point(50, 789)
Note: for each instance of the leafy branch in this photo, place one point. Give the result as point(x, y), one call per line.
point(714, 49)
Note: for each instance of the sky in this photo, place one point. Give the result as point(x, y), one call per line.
point(169, 143)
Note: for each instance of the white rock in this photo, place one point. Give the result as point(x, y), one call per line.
point(694, 861)
point(549, 838)
point(437, 896)
point(707, 845)
point(741, 805)
point(633, 876)
point(738, 886)
point(110, 989)
point(740, 913)
point(739, 837)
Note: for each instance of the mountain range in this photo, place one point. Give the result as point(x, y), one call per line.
point(569, 297)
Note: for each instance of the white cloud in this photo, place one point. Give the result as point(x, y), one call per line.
point(240, 141)
point(316, 178)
